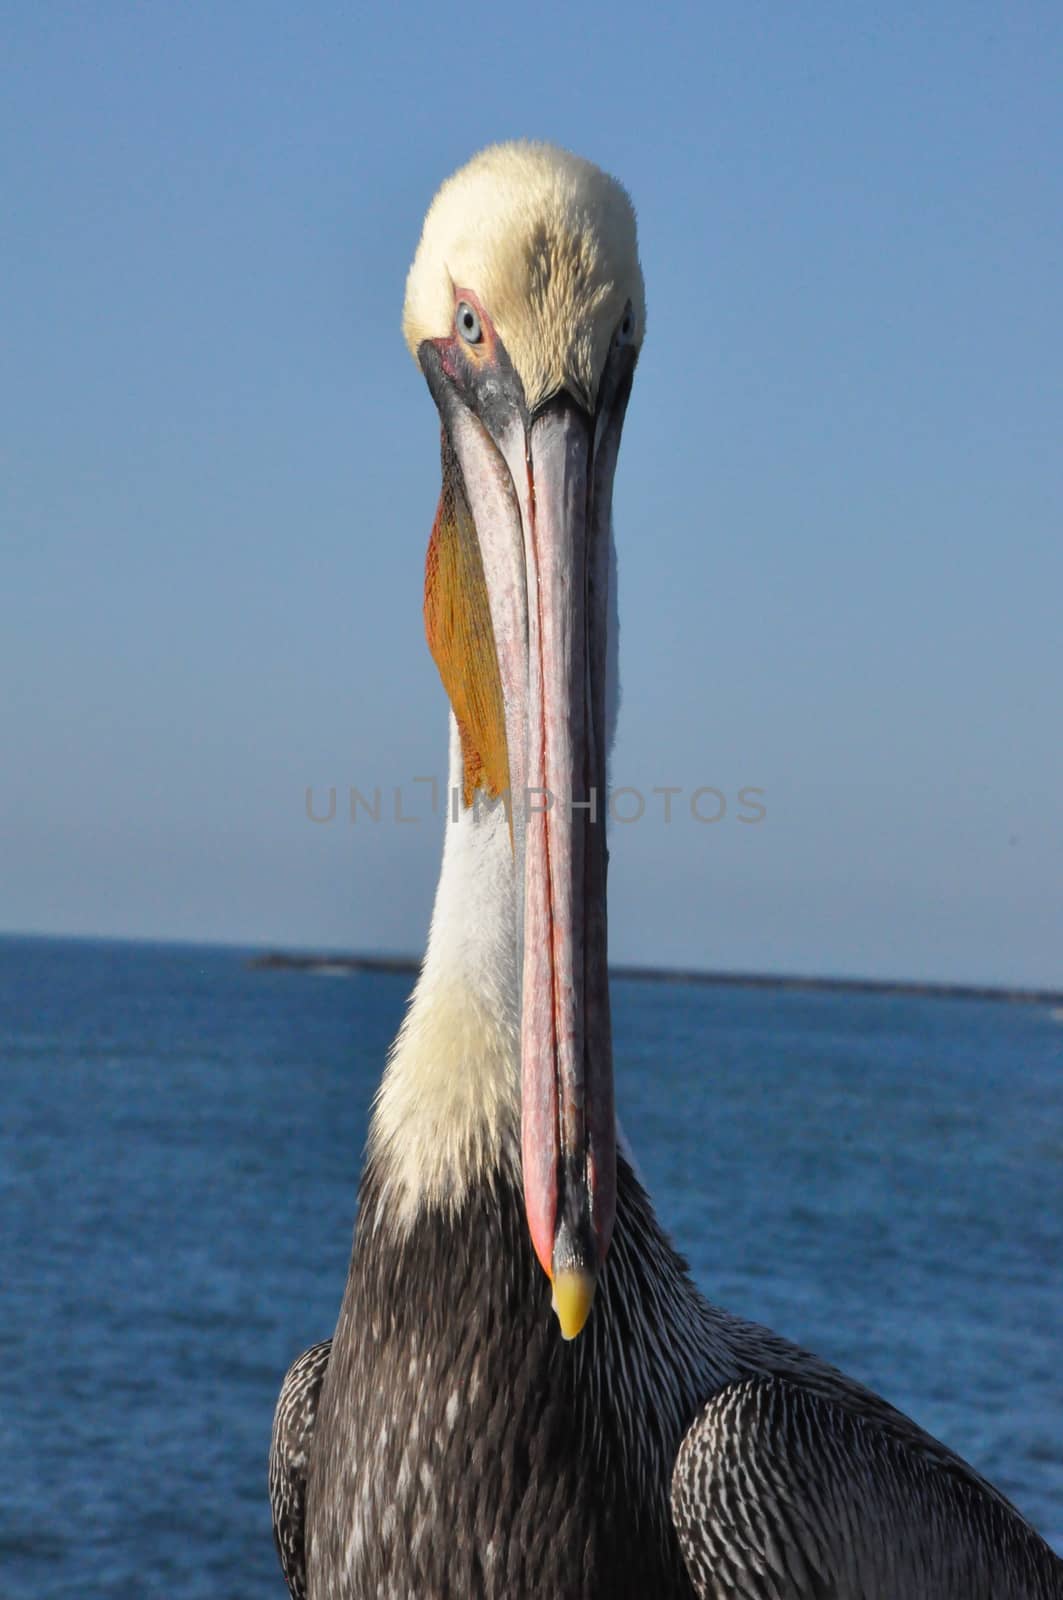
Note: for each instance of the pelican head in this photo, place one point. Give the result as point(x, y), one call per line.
point(525, 311)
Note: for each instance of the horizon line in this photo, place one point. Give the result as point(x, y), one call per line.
point(267, 957)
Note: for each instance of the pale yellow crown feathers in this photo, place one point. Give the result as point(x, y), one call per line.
point(547, 242)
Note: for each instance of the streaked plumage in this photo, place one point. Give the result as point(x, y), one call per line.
point(289, 1460)
point(692, 1453)
point(781, 1489)
point(449, 1441)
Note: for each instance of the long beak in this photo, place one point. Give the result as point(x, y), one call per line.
point(568, 1119)
point(538, 493)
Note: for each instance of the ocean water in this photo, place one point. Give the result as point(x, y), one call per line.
point(878, 1177)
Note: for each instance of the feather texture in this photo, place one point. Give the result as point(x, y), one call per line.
point(781, 1491)
point(289, 1459)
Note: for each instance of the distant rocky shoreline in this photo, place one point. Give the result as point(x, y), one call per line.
point(325, 964)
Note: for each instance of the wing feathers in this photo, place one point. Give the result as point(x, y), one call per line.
point(782, 1494)
point(289, 1454)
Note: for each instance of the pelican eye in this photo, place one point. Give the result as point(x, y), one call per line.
point(626, 331)
point(468, 323)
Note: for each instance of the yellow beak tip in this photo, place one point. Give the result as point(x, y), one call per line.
point(573, 1297)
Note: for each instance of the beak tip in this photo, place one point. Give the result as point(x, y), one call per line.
point(572, 1300)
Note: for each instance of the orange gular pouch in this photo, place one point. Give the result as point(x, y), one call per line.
point(457, 622)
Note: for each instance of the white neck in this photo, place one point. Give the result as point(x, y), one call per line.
point(448, 1107)
point(449, 1103)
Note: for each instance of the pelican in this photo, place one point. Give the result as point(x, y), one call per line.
point(525, 1395)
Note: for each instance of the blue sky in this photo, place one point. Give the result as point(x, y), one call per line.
point(839, 504)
